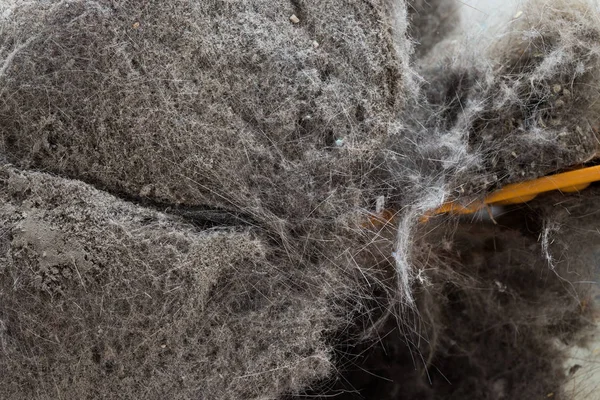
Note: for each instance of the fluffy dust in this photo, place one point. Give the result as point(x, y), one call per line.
point(194, 199)
point(101, 294)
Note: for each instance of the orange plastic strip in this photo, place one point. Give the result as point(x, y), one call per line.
point(567, 182)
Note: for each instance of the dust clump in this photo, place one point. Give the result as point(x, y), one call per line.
point(225, 104)
point(515, 108)
point(223, 200)
point(101, 296)
point(243, 157)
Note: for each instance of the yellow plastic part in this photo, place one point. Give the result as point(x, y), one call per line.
point(567, 182)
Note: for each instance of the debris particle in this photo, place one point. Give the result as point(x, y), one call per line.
point(379, 204)
point(556, 88)
point(294, 19)
point(146, 190)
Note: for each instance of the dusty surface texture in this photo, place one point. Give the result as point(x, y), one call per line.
point(202, 103)
point(222, 200)
point(502, 308)
point(431, 21)
point(518, 107)
point(103, 299)
point(497, 318)
point(230, 115)
point(577, 242)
